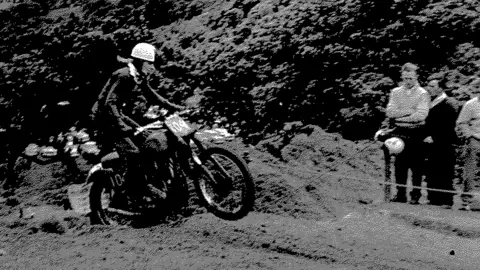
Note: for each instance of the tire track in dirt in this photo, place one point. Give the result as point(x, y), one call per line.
point(331, 242)
point(159, 247)
point(360, 240)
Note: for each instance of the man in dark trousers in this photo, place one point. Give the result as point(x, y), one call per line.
point(468, 128)
point(408, 108)
point(441, 137)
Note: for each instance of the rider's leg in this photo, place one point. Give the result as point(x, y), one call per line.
point(129, 154)
point(156, 148)
point(135, 171)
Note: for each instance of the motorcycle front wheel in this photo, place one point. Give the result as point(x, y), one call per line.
point(225, 185)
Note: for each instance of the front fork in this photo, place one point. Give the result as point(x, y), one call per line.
point(203, 156)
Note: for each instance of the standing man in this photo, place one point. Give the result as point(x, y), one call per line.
point(468, 125)
point(440, 129)
point(408, 108)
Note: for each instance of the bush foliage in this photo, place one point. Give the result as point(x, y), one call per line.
point(256, 63)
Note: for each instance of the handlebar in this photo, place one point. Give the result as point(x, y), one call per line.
point(154, 125)
point(184, 112)
point(159, 123)
point(154, 112)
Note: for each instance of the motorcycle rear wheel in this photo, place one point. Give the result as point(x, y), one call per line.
point(101, 195)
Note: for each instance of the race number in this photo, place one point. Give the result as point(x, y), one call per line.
point(176, 124)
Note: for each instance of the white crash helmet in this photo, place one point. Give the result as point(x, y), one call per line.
point(144, 51)
point(395, 145)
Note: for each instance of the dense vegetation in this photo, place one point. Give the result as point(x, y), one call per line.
point(257, 63)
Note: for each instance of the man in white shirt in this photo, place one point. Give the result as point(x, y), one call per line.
point(468, 125)
point(408, 108)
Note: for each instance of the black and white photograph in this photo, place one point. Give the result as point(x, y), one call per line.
point(240, 134)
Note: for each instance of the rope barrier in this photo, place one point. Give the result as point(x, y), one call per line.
point(302, 187)
point(387, 184)
point(391, 183)
point(380, 182)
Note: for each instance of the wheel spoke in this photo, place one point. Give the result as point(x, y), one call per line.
point(226, 186)
point(117, 214)
point(220, 193)
point(220, 168)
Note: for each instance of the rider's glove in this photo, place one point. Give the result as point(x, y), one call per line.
point(137, 131)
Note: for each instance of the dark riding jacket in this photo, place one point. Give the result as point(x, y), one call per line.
point(125, 100)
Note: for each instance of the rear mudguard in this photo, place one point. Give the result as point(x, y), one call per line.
point(103, 169)
point(98, 172)
point(110, 160)
point(107, 163)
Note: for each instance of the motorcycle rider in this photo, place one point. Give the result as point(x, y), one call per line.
point(122, 105)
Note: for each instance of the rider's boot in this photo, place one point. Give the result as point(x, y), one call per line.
point(156, 193)
point(163, 170)
point(142, 190)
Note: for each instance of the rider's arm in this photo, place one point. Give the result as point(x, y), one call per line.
point(163, 101)
point(113, 102)
point(130, 121)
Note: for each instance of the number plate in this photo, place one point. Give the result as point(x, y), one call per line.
point(176, 124)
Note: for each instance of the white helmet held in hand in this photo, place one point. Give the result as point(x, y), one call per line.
point(395, 145)
point(144, 51)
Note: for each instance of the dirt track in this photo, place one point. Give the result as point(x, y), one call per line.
point(368, 240)
point(302, 220)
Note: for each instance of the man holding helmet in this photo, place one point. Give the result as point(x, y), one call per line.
point(122, 105)
point(407, 109)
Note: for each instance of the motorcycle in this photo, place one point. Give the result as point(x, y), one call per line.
point(221, 178)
